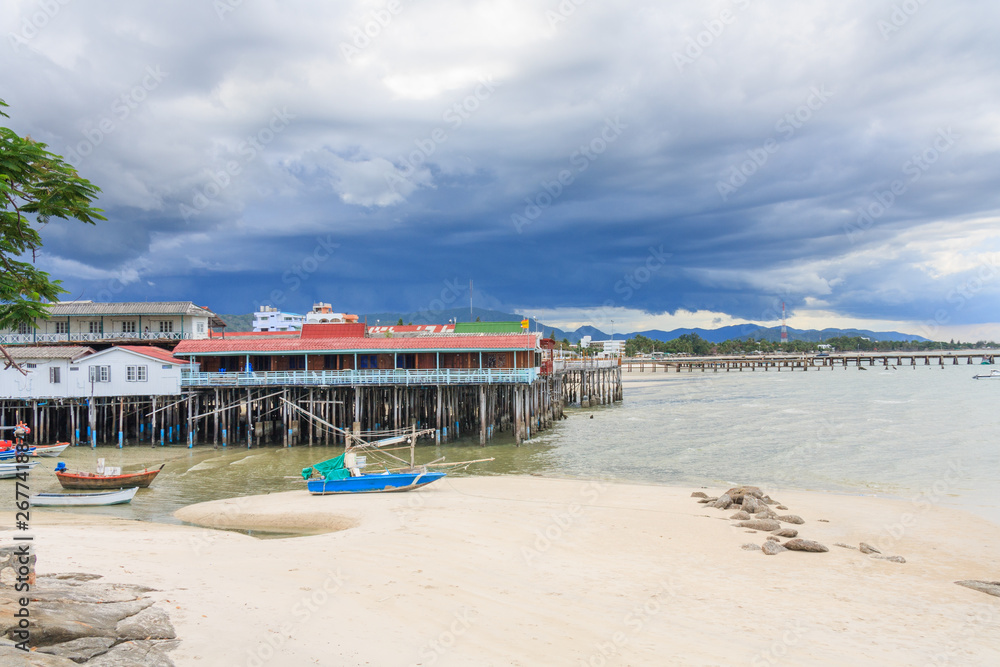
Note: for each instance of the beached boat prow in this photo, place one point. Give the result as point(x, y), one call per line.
point(101, 481)
point(50, 450)
point(119, 497)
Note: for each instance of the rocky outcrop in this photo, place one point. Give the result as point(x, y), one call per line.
point(77, 620)
point(772, 548)
point(988, 587)
point(760, 524)
point(798, 544)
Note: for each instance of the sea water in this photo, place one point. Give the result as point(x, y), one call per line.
point(927, 432)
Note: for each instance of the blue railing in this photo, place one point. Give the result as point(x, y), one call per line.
point(363, 377)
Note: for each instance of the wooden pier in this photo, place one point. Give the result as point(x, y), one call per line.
point(807, 362)
point(260, 412)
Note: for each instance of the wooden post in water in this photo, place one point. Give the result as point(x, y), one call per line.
point(482, 415)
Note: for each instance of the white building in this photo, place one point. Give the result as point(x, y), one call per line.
point(88, 321)
point(127, 370)
point(322, 313)
point(269, 318)
point(612, 348)
point(79, 372)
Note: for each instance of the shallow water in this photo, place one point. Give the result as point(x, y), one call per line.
point(924, 430)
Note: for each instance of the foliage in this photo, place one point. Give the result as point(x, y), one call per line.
point(35, 186)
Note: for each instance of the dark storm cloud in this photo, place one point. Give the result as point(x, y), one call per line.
point(839, 156)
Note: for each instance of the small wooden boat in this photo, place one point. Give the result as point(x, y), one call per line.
point(103, 480)
point(10, 470)
point(50, 450)
point(119, 497)
point(379, 482)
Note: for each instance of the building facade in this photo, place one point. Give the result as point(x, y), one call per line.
point(92, 322)
point(269, 318)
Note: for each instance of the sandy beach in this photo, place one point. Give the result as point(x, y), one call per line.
point(530, 570)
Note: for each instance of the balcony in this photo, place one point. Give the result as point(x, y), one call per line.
point(409, 378)
point(80, 337)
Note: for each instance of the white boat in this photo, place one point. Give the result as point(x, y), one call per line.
point(10, 470)
point(50, 450)
point(994, 375)
point(119, 497)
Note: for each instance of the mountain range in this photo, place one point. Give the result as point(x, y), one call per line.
point(738, 331)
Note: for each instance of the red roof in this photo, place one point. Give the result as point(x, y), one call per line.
point(333, 330)
point(347, 345)
point(151, 351)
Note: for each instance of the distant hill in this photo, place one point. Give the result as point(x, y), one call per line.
point(238, 322)
point(738, 331)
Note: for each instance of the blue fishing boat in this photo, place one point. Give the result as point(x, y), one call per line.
point(343, 474)
point(336, 477)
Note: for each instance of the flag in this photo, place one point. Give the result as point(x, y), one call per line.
point(524, 324)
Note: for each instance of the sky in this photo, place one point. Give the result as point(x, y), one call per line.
point(657, 164)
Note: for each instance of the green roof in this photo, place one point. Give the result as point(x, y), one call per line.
point(488, 327)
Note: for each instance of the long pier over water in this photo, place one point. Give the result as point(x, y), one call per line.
point(807, 362)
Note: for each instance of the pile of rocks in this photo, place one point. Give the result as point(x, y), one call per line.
point(76, 620)
point(757, 511)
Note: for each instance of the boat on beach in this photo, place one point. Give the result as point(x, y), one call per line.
point(119, 497)
point(343, 474)
point(10, 470)
point(10, 452)
point(104, 478)
point(336, 477)
point(994, 375)
point(50, 450)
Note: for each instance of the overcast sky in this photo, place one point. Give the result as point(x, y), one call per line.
point(661, 164)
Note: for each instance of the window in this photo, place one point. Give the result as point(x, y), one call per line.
point(166, 326)
point(200, 327)
point(62, 327)
point(330, 362)
point(23, 328)
point(260, 363)
point(367, 361)
point(135, 373)
point(95, 327)
point(54, 374)
point(128, 327)
point(100, 373)
point(296, 363)
point(31, 365)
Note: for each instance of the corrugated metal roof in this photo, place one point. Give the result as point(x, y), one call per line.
point(78, 308)
point(48, 351)
point(150, 351)
point(451, 343)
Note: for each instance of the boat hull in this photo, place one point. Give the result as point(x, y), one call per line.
point(50, 450)
point(11, 470)
point(11, 453)
point(83, 499)
point(94, 482)
point(372, 483)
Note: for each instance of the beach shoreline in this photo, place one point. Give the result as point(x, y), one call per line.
point(531, 570)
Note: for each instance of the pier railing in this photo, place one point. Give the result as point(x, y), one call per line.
point(444, 376)
point(582, 364)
